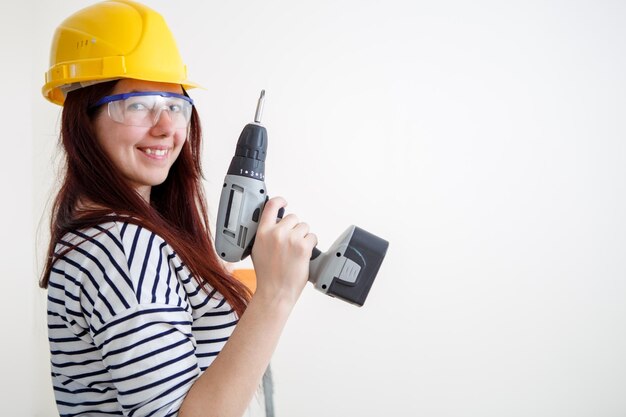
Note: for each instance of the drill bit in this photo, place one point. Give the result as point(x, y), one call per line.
point(259, 108)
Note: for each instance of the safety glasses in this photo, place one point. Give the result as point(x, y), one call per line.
point(144, 108)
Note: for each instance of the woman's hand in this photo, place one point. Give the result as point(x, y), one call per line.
point(281, 254)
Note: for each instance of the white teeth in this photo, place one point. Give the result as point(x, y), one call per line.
point(157, 152)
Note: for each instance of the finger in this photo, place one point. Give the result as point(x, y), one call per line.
point(270, 211)
point(289, 222)
point(311, 238)
point(301, 229)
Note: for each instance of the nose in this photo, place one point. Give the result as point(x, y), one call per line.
point(163, 125)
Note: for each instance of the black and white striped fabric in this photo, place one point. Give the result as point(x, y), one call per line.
point(129, 328)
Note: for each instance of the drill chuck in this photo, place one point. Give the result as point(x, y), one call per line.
point(249, 159)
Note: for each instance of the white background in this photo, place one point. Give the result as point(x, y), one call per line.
point(485, 140)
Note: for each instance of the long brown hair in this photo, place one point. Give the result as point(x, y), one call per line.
point(177, 212)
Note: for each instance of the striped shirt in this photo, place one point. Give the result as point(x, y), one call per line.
point(130, 329)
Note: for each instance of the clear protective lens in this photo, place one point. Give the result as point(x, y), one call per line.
point(145, 109)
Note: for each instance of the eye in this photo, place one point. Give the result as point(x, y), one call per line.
point(136, 105)
point(175, 108)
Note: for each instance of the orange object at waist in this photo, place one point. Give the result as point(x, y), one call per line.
point(247, 276)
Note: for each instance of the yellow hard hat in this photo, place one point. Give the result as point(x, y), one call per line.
point(111, 40)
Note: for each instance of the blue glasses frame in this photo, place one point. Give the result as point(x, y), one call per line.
point(117, 97)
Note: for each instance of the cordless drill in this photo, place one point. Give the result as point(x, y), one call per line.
point(346, 271)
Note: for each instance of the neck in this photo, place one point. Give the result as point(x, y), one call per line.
point(144, 192)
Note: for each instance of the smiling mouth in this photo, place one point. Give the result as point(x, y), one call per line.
point(154, 151)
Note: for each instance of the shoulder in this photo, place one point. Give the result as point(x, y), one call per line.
point(118, 248)
point(114, 234)
point(110, 241)
point(113, 267)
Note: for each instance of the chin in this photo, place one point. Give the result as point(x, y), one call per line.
point(157, 179)
point(157, 182)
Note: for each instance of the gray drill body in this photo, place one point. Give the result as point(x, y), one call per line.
point(346, 271)
point(237, 223)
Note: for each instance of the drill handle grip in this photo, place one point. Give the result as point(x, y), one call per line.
point(316, 253)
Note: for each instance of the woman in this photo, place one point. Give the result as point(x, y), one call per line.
point(139, 305)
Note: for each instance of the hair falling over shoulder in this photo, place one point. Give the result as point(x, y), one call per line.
point(178, 210)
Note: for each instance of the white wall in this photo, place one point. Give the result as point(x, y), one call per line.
point(484, 140)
